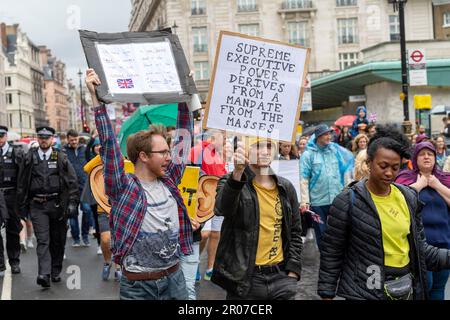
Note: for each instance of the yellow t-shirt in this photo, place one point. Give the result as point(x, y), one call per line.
point(270, 248)
point(395, 224)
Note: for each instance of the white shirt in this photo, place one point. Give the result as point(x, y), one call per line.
point(48, 153)
point(5, 148)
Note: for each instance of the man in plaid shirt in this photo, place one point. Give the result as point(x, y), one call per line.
point(149, 223)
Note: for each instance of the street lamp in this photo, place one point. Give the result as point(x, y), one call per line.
point(400, 6)
point(20, 115)
point(80, 74)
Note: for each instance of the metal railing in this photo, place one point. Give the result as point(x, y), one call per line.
point(297, 4)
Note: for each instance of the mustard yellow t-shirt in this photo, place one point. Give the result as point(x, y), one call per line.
point(270, 248)
point(395, 224)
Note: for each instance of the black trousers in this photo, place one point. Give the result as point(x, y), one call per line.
point(269, 286)
point(50, 229)
point(13, 228)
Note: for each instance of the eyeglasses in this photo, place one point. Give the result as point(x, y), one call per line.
point(164, 153)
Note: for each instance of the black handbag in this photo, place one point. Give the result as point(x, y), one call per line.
point(400, 288)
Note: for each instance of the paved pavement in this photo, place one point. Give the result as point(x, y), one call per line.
point(87, 264)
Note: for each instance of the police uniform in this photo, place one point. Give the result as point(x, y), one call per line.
point(49, 190)
point(10, 166)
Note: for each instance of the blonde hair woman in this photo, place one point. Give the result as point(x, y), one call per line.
point(360, 143)
point(361, 167)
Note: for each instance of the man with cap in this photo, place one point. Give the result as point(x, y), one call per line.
point(325, 167)
point(48, 190)
point(10, 168)
point(259, 253)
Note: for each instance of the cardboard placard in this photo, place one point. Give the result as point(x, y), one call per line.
point(188, 188)
point(256, 87)
point(139, 67)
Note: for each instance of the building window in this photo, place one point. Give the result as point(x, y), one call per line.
point(348, 30)
point(446, 19)
point(249, 29)
point(297, 33)
point(9, 99)
point(10, 120)
point(346, 3)
point(247, 5)
point(201, 70)
point(200, 39)
point(347, 60)
point(8, 81)
point(394, 28)
point(198, 7)
point(296, 4)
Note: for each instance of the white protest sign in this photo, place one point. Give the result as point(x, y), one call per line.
point(139, 67)
point(256, 87)
point(290, 170)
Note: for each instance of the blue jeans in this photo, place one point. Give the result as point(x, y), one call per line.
point(85, 223)
point(319, 228)
point(189, 265)
point(436, 284)
point(172, 287)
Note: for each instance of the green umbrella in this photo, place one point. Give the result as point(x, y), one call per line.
point(143, 117)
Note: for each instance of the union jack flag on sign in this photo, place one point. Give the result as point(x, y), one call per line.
point(125, 83)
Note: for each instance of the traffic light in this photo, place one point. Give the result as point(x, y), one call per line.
point(86, 128)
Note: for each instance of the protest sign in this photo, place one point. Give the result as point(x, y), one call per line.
point(207, 187)
point(188, 188)
point(256, 87)
point(139, 67)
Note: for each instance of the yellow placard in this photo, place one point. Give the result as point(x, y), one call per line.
point(422, 102)
point(188, 188)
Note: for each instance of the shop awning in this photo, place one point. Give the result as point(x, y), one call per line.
point(332, 90)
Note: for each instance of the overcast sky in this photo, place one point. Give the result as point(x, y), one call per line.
point(54, 23)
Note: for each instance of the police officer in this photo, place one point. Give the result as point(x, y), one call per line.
point(10, 167)
point(48, 190)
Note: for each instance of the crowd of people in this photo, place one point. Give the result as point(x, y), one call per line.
point(373, 199)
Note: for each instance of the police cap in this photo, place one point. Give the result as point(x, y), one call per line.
point(3, 130)
point(45, 132)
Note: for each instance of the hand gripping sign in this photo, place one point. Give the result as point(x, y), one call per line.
point(256, 87)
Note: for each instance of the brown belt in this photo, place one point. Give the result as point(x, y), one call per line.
point(142, 276)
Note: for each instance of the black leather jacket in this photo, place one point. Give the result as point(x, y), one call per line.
point(236, 254)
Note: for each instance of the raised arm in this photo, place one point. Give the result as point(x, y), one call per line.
point(182, 144)
point(113, 164)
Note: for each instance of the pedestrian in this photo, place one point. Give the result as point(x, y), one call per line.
point(345, 138)
point(371, 130)
point(374, 247)
point(287, 151)
point(48, 190)
point(76, 153)
point(433, 188)
point(441, 152)
point(361, 118)
point(359, 143)
point(302, 142)
point(150, 226)
point(11, 165)
point(209, 155)
point(259, 253)
point(326, 168)
point(361, 167)
point(103, 228)
point(422, 129)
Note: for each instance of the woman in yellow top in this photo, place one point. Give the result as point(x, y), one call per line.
point(374, 246)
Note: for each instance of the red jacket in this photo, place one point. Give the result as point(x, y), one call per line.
point(212, 162)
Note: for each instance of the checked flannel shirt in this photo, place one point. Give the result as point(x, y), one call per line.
point(125, 192)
